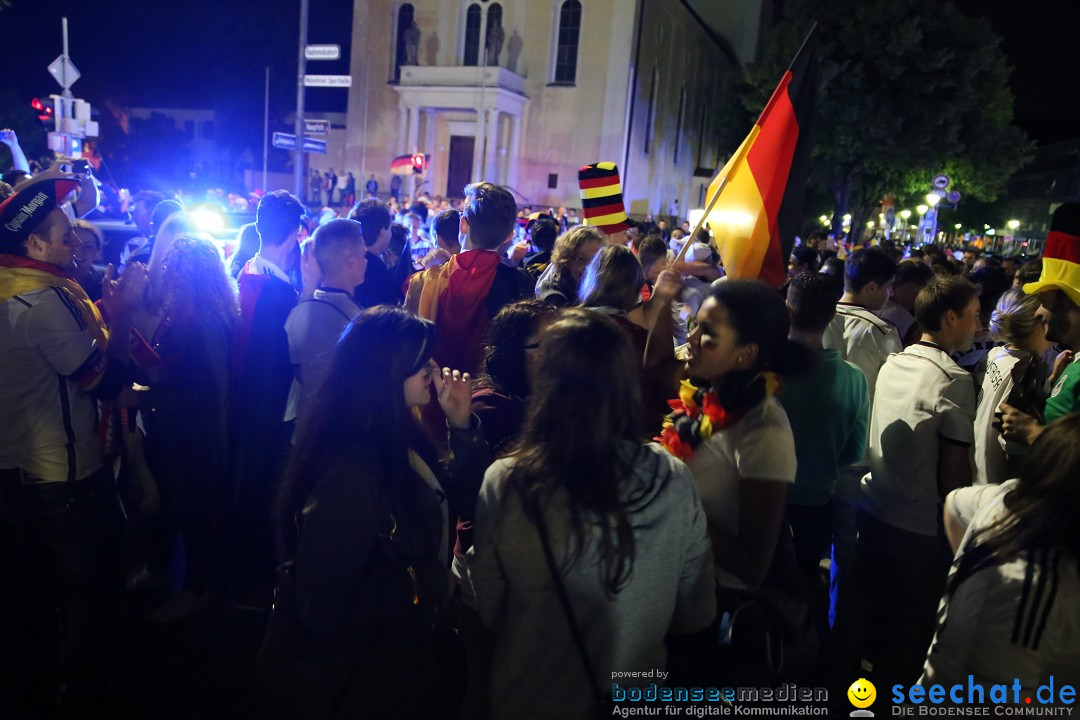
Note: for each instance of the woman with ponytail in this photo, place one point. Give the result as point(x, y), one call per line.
point(732, 430)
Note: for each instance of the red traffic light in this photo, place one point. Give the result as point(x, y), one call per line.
point(45, 112)
point(418, 161)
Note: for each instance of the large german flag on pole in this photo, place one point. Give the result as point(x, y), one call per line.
point(759, 208)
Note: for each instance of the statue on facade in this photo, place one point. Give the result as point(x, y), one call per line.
point(495, 38)
point(412, 44)
point(513, 51)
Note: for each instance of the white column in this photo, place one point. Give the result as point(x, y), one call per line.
point(414, 133)
point(403, 121)
point(430, 117)
point(478, 148)
point(513, 154)
point(492, 142)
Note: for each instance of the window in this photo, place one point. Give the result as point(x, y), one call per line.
point(678, 125)
point(404, 22)
point(566, 50)
point(494, 17)
point(472, 35)
point(650, 110)
point(553, 181)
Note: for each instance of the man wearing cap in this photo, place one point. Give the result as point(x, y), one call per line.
point(1058, 288)
point(61, 527)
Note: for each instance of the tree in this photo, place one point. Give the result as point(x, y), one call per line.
point(909, 88)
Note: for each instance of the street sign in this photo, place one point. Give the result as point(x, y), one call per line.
point(322, 52)
point(953, 197)
point(64, 71)
point(941, 181)
point(316, 127)
point(328, 81)
point(287, 141)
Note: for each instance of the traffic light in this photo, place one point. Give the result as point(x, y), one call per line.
point(418, 162)
point(46, 112)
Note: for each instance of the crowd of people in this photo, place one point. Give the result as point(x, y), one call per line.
point(475, 461)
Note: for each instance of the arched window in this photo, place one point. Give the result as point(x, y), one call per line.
point(650, 110)
point(494, 17)
point(404, 22)
point(472, 35)
point(679, 123)
point(566, 50)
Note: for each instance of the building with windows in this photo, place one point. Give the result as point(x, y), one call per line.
point(522, 93)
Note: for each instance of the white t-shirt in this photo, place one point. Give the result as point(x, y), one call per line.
point(48, 424)
point(990, 465)
point(923, 399)
point(862, 338)
point(758, 447)
point(1017, 620)
point(313, 328)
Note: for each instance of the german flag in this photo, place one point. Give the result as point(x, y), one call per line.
point(601, 198)
point(759, 211)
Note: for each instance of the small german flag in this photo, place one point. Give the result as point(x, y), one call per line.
point(601, 198)
point(759, 211)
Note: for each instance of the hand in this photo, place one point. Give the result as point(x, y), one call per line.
point(7, 136)
point(518, 253)
point(1062, 361)
point(1017, 426)
point(122, 297)
point(309, 268)
point(455, 397)
point(667, 287)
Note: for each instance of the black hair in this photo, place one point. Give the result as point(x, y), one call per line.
point(162, 211)
point(912, 271)
point(811, 297)
point(504, 355)
point(942, 294)
point(992, 283)
point(833, 268)
point(866, 266)
point(278, 216)
point(446, 225)
point(807, 257)
point(543, 234)
point(491, 212)
point(374, 217)
point(758, 315)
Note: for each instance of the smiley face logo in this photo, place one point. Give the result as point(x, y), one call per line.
point(862, 693)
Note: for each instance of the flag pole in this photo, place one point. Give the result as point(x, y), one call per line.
point(742, 153)
point(712, 202)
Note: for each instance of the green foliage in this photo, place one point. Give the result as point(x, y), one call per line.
point(909, 88)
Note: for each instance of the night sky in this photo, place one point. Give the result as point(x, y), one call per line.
point(199, 53)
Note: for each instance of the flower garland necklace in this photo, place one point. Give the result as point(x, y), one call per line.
point(697, 413)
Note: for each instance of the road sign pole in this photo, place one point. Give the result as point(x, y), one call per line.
point(298, 158)
point(64, 81)
point(266, 125)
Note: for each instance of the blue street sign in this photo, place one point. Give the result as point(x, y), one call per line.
point(287, 141)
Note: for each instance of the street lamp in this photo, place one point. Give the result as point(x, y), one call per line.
point(1013, 224)
point(921, 209)
point(958, 226)
point(824, 220)
point(933, 199)
point(905, 214)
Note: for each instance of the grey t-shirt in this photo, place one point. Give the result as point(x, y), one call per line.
point(314, 327)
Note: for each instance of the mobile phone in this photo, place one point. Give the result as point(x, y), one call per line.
point(80, 167)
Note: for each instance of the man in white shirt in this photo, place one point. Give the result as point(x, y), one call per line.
point(911, 277)
point(921, 432)
point(864, 339)
point(314, 326)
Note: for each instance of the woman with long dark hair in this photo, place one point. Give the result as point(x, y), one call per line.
point(500, 396)
point(1011, 611)
point(187, 441)
point(364, 530)
point(590, 547)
